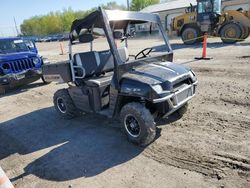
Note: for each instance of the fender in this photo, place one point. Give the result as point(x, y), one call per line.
point(136, 89)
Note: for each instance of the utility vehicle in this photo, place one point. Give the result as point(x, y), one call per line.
point(128, 75)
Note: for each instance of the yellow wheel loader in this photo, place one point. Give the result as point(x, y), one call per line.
point(231, 25)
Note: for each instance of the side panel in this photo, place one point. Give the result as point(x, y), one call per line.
point(80, 98)
point(181, 21)
point(90, 98)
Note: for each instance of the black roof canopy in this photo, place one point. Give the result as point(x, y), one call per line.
point(117, 19)
point(86, 23)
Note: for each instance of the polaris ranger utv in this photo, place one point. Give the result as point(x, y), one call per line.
point(139, 85)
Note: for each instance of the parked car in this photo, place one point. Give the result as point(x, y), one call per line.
point(64, 37)
point(20, 63)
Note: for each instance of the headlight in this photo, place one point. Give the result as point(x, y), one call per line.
point(36, 60)
point(6, 66)
point(157, 88)
point(193, 77)
point(45, 61)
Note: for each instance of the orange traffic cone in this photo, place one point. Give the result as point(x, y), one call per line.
point(4, 180)
point(61, 48)
point(204, 49)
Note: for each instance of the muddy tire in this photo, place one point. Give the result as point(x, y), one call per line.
point(231, 33)
point(138, 124)
point(64, 104)
point(188, 34)
point(181, 111)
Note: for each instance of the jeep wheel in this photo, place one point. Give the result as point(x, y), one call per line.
point(138, 123)
point(64, 104)
point(181, 111)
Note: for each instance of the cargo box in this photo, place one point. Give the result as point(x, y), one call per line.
point(57, 72)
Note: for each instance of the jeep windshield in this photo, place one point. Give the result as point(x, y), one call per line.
point(12, 45)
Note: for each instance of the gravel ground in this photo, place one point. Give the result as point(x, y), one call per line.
point(208, 147)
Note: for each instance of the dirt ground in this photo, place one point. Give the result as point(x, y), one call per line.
point(208, 147)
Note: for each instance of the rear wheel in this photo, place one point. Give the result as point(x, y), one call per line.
point(231, 33)
point(138, 123)
point(189, 35)
point(64, 104)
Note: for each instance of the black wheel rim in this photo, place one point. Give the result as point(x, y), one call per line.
point(132, 126)
point(61, 105)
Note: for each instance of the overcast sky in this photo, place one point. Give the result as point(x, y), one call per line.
point(24, 9)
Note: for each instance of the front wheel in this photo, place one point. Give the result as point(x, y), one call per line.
point(190, 35)
point(138, 123)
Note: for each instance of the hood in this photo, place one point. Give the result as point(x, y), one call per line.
point(16, 55)
point(157, 73)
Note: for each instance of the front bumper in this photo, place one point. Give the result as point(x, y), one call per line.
point(177, 99)
point(19, 77)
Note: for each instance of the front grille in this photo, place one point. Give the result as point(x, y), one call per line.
point(21, 65)
point(184, 94)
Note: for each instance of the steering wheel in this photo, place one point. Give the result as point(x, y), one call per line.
point(145, 52)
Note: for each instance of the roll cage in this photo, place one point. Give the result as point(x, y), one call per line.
point(110, 20)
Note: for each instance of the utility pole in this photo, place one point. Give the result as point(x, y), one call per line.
point(17, 33)
point(128, 6)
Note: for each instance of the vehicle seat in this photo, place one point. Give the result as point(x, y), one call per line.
point(97, 63)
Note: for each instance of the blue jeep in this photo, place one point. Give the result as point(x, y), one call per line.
point(19, 63)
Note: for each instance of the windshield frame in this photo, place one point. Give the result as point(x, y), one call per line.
point(138, 17)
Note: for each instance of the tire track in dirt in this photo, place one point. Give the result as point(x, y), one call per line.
point(216, 165)
point(234, 72)
point(185, 159)
point(216, 161)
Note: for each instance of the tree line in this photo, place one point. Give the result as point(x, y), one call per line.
point(60, 21)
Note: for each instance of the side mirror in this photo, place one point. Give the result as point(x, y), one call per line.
point(117, 35)
point(86, 38)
